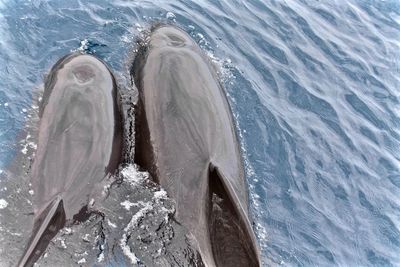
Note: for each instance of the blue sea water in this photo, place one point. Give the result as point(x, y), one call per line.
point(314, 87)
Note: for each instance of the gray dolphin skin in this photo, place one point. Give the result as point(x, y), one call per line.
point(79, 145)
point(186, 139)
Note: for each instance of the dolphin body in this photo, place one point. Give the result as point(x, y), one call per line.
point(185, 138)
point(79, 144)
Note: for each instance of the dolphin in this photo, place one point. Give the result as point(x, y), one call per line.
point(186, 139)
point(79, 145)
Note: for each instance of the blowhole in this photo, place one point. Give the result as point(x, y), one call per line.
point(83, 73)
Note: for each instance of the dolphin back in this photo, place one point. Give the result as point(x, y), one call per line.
point(79, 144)
point(185, 137)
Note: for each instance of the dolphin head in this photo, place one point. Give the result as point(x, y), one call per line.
point(170, 36)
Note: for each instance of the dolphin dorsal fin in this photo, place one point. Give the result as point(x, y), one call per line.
point(46, 226)
point(232, 239)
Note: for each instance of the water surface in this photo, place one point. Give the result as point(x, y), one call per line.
point(314, 86)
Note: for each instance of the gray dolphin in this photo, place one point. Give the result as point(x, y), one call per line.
point(79, 144)
point(186, 138)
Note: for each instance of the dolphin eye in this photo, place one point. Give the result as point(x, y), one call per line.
point(83, 73)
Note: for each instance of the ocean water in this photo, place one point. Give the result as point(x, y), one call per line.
point(314, 87)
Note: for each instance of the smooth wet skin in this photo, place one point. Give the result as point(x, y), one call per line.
point(186, 139)
point(79, 145)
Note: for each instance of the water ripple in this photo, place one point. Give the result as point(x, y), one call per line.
point(313, 85)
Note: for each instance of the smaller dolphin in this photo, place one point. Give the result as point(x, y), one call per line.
point(80, 142)
point(185, 137)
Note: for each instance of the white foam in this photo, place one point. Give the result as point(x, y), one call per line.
point(3, 203)
point(139, 27)
point(113, 225)
point(131, 225)
point(32, 145)
point(133, 176)
point(127, 251)
point(15, 234)
point(167, 211)
point(86, 238)
point(83, 260)
point(100, 258)
point(159, 195)
point(68, 231)
point(140, 214)
point(27, 145)
point(127, 204)
point(84, 46)
point(81, 254)
point(63, 245)
point(170, 15)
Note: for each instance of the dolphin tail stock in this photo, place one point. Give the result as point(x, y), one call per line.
point(47, 224)
point(232, 239)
